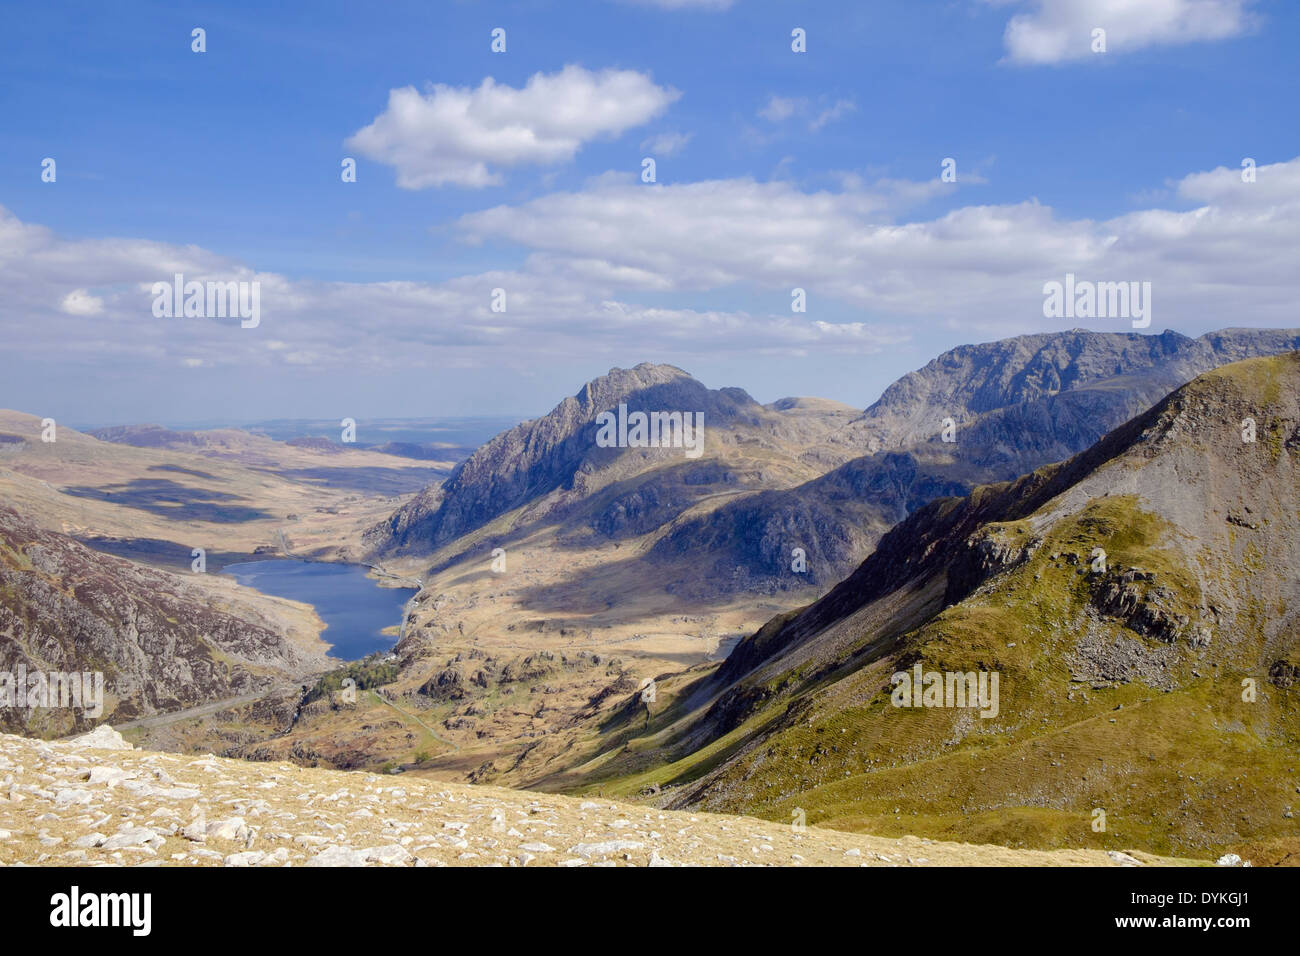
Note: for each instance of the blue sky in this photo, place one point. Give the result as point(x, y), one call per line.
point(817, 169)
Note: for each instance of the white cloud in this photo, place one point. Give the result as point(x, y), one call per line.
point(464, 136)
point(1054, 31)
point(375, 327)
point(1230, 260)
point(830, 115)
point(81, 302)
point(666, 144)
point(781, 108)
point(623, 268)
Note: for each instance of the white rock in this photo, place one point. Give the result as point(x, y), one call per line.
point(195, 832)
point(232, 829)
point(387, 855)
point(133, 837)
point(604, 848)
point(176, 793)
point(102, 737)
point(338, 856)
point(108, 775)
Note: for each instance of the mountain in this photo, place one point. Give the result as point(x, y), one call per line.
point(1011, 406)
point(1139, 603)
point(162, 641)
point(628, 563)
point(536, 599)
point(549, 465)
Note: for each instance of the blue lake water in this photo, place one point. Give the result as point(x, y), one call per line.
point(355, 608)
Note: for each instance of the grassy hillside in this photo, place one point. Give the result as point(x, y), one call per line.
point(1121, 683)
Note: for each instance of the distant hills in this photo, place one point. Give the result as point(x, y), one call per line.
point(553, 467)
point(730, 521)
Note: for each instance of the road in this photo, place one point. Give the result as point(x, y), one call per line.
point(203, 710)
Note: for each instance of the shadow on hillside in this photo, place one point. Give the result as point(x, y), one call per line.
point(167, 499)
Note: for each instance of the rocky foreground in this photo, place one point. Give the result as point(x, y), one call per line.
point(95, 800)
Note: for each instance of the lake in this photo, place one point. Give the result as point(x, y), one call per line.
point(354, 607)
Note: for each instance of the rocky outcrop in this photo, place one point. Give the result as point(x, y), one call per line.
point(1146, 608)
point(160, 640)
point(1015, 406)
point(557, 452)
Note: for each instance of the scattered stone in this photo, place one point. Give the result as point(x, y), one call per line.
point(102, 737)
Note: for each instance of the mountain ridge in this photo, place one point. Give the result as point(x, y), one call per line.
point(1188, 604)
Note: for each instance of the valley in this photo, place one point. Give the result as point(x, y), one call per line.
point(716, 631)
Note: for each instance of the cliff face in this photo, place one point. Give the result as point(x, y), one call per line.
point(162, 641)
point(972, 380)
point(559, 453)
point(1014, 406)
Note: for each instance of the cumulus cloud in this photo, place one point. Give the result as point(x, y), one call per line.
point(1231, 257)
point(81, 302)
point(1054, 31)
point(314, 323)
point(464, 136)
point(622, 267)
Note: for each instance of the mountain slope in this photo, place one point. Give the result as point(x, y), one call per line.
point(1121, 681)
point(1014, 405)
point(162, 641)
point(550, 464)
